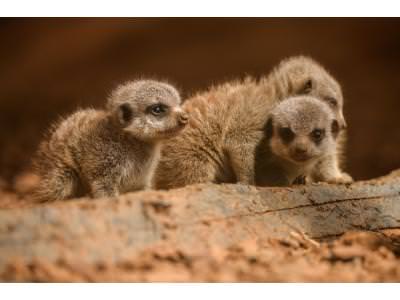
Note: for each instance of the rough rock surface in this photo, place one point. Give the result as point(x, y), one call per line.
point(206, 233)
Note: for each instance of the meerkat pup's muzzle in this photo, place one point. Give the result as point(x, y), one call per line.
point(183, 118)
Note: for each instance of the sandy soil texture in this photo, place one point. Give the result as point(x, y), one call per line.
point(355, 257)
point(113, 240)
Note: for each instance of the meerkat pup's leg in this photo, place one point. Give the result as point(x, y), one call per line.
point(328, 170)
point(149, 182)
point(198, 171)
point(177, 173)
point(103, 188)
point(57, 184)
point(150, 175)
point(242, 157)
point(242, 162)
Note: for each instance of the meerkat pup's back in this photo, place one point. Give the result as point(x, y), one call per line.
point(112, 151)
point(301, 132)
point(227, 121)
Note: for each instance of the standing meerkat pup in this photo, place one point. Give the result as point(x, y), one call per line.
point(301, 134)
point(227, 124)
point(107, 152)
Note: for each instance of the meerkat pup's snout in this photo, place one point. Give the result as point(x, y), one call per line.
point(301, 132)
point(107, 152)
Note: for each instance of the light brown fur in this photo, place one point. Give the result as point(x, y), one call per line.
point(107, 152)
point(227, 124)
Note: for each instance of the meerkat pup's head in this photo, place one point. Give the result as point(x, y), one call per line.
point(302, 129)
point(300, 75)
point(149, 110)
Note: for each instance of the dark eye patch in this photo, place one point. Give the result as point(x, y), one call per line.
point(317, 135)
point(126, 112)
point(308, 85)
point(335, 128)
point(268, 128)
point(286, 134)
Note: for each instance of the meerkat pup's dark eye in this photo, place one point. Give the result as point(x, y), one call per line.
point(158, 109)
point(332, 101)
point(317, 135)
point(286, 134)
point(307, 87)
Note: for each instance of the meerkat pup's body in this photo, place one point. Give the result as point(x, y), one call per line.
point(112, 151)
point(301, 135)
point(226, 125)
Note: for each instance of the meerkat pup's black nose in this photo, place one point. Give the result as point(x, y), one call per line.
point(300, 150)
point(183, 118)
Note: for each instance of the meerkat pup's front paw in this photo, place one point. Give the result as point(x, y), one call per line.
point(343, 178)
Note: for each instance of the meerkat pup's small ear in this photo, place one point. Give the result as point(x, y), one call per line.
point(335, 128)
point(308, 85)
point(125, 113)
point(269, 128)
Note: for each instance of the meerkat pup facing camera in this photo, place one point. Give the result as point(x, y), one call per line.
point(301, 132)
point(301, 75)
point(112, 151)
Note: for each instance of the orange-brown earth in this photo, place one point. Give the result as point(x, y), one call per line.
point(355, 257)
point(77, 252)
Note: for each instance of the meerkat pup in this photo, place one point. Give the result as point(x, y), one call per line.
point(302, 75)
point(301, 132)
point(108, 152)
point(227, 124)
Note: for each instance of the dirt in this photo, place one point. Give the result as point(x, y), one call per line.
point(355, 256)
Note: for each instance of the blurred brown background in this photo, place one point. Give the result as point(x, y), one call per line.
point(51, 66)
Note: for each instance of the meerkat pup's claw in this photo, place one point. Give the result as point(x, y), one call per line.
point(104, 153)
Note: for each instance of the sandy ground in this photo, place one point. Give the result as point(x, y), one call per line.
point(353, 257)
